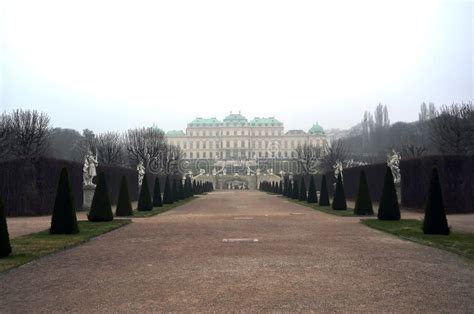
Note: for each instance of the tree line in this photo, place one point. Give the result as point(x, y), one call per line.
point(29, 133)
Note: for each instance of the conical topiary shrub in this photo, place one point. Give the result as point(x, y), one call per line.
point(174, 191)
point(324, 194)
point(144, 199)
point(339, 202)
point(5, 247)
point(303, 196)
point(167, 196)
point(363, 205)
point(101, 209)
point(312, 196)
point(296, 190)
point(181, 190)
point(124, 204)
point(435, 221)
point(157, 201)
point(64, 220)
point(388, 207)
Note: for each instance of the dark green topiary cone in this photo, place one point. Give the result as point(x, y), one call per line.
point(324, 194)
point(124, 204)
point(435, 221)
point(157, 201)
point(167, 196)
point(388, 207)
point(296, 190)
point(339, 202)
point(101, 209)
point(303, 196)
point(5, 247)
point(363, 205)
point(64, 220)
point(312, 196)
point(144, 200)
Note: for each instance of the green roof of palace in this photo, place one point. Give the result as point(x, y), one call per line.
point(316, 129)
point(235, 118)
point(175, 133)
point(271, 121)
point(205, 122)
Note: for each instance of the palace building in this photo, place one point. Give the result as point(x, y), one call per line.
point(236, 138)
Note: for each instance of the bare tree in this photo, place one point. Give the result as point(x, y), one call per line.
point(145, 144)
point(309, 158)
point(334, 152)
point(453, 130)
point(29, 132)
point(109, 147)
point(5, 131)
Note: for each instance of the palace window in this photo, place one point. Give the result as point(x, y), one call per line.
point(198, 145)
point(197, 155)
point(203, 144)
point(204, 155)
point(243, 143)
point(191, 155)
point(210, 154)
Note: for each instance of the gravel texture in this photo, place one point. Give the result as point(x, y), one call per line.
point(308, 261)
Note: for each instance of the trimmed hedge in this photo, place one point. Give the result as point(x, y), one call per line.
point(64, 220)
point(455, 175)
point(28, 186)
point(113, 175)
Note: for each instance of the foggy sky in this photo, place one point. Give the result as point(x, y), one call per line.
point(106, 65)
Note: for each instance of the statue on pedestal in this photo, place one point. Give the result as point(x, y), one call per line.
point(90, 169)
point(141, 172)
point(338, 170)
point(393, 161)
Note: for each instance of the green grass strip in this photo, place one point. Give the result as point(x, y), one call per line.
point(33, 246)
point(159, 210)
point(411, 229)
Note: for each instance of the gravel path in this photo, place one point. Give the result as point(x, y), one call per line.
point(305, 260)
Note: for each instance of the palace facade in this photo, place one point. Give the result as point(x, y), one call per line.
point(236, 138)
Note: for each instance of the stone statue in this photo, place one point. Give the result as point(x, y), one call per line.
point(224, 171)
point(141, 172)
point(90, 168)
point(338, 170)
point(202, 171)
point(393, 161)
point(258, 171)
point(214, 171)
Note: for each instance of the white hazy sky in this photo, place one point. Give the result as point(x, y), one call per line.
point(111, 65)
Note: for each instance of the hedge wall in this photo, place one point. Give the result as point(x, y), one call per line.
point(456, 176)
point(28, 186)
point(375, 176)
point(113, 175)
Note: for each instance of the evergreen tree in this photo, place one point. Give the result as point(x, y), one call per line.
point(435, 221)
point(167, 196)
point(296, 190)
point(124, 204)
point(289, 193)
point(174, 191)
point(388, 207)
point(339, 202)
point(64, 220)
point(101, 209)
point(144, 200)
point(180, 190)
point(303, 196)
point(324, 194)
point(157, 202)
point(280, 188)
point(363, 205)
point(312, 196)
point(5, 247)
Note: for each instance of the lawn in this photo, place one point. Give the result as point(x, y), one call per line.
point(325, 209)
point(32, 246)
point(159, 210)
point(410, 229)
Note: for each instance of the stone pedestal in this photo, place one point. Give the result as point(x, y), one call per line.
point(88, 195)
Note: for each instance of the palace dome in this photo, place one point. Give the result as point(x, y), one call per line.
point(235, 119)
point(316, 129)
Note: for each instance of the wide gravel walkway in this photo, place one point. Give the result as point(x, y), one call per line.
point(304, 260)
